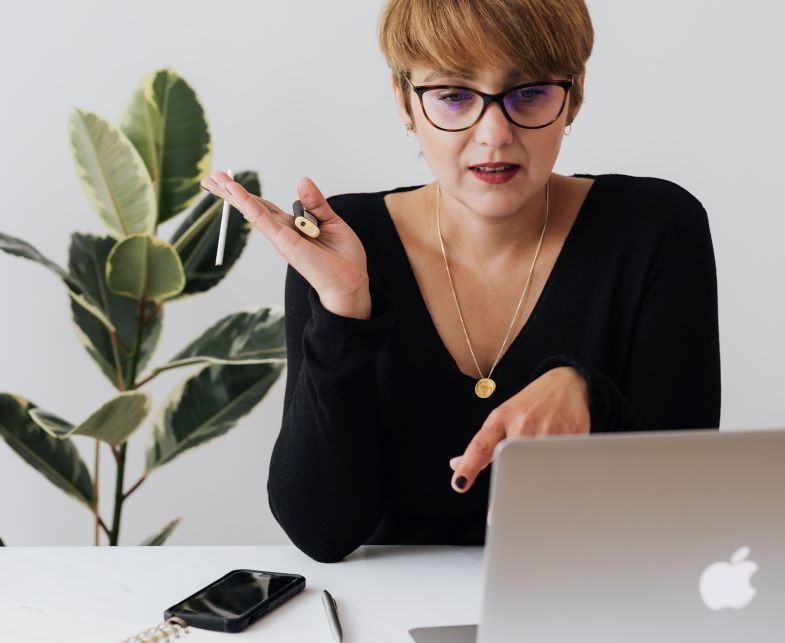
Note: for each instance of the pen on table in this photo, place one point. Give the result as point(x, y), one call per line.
point(331, 609)
point(219, 255)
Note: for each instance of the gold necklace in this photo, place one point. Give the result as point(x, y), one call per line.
point(485, 385)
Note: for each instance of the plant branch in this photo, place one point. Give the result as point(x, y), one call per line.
point(130, 376)
point(144, 380)
point(135, 487)
point(154, 315)
point(121, 345)
point(95, 491)
point(114, 534)
point(103, 525)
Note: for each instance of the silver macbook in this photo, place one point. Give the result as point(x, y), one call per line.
point(656, 536)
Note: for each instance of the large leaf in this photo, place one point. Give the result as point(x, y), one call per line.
point(144, 265)
point(87, 260)
point(205, 406)
point(160, 537)
point(113, 422)
point(253, 336)
point(58, 460)
point(77, 290)
point(196, 238)
point(167, 126)
point(113, 175)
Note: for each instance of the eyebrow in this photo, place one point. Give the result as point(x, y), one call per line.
point(469, 75)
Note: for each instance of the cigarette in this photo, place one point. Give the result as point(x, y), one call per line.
point(304, 221)
point(219, 256)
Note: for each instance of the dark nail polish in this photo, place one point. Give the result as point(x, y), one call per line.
point(461, 482)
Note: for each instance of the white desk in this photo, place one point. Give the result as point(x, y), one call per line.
point(381, 592)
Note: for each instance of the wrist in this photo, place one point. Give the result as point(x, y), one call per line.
point(358, 306)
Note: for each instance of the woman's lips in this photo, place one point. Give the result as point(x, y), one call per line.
point(495, 177)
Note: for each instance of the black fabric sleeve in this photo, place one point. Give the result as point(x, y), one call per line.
point(324, 485)
point(673, 376)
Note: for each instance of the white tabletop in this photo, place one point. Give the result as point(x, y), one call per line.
point(381, 592)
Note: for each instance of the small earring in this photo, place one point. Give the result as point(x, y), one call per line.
point(409, 128)
point(568, 129)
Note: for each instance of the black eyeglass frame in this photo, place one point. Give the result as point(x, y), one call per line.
point(487, 99)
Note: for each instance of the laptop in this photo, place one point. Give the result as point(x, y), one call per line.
point(640, 536)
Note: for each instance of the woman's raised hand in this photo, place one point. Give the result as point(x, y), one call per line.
point(334, 263)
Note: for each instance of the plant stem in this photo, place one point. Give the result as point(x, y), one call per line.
point(103, 525)
point(154, 315)
point(95, 492)
point(130, 376)
point(134, 488)
point(144, 380)
point(118, 496)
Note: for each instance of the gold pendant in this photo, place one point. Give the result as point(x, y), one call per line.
point(485, 387)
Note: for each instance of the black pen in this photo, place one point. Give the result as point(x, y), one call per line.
point(331, 610)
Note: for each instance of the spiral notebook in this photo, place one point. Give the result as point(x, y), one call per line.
point(25, 624)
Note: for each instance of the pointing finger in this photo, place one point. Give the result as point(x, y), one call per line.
point(479, 453)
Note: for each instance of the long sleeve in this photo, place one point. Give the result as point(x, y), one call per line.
point(324, 484)
point(673, 373)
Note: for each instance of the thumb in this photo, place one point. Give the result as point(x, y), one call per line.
point(313, 200)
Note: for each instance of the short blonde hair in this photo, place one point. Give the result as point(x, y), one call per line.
point(539, 37)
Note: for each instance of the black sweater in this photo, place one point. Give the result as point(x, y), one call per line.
point(374, 409)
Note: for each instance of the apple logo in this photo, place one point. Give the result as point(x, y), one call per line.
point(728, 584)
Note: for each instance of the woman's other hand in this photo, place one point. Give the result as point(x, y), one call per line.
point(334, 263)
point(555, 403)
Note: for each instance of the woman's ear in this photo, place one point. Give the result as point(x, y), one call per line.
point(572, 114)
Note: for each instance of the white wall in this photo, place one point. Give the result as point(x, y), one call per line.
point(688, 91)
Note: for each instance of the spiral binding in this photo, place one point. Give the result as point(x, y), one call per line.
point(161, 633)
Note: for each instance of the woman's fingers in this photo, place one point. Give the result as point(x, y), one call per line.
point(479, 453)
point(278, 228)
point(313, 200)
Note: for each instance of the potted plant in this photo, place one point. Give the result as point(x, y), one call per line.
point(138, 175)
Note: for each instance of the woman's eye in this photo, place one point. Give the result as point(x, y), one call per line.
point(454, 97)
point(528, 94)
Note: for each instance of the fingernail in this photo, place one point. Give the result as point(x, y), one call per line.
point(460, 482)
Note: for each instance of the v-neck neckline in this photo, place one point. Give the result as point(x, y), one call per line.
point(558, 266)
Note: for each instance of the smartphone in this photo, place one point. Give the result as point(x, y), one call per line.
point(237, 599)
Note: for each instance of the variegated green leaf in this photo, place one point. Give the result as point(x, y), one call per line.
point(87, 260)
point(167, 126)
point(253, 336)
point(57, 460)
point(196, 239)
point(113, 422)
point(160, 537)
point(113, 175)
point(144, 265)
point(205, 406)
point(77, 290)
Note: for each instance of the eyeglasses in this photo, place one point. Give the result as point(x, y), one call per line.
point(454, 108)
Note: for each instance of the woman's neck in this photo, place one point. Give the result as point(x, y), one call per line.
point(488, 241)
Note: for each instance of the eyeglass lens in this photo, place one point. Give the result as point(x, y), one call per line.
point(453, 108)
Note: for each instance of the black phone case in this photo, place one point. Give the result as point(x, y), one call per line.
point(239, 623)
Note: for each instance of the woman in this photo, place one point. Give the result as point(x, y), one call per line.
point(427, 323)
